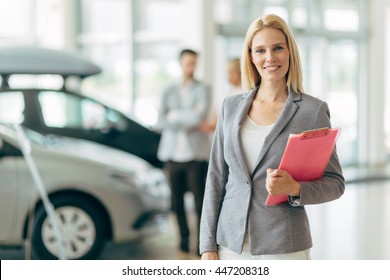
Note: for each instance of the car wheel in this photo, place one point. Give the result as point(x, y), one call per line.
point(80, 225)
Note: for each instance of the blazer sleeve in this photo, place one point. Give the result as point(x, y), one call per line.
point(332, 184)
point(214, 191)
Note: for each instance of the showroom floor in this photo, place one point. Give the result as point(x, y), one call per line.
point(357, 226)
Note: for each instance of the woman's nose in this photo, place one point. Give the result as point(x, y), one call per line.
point(269, 57)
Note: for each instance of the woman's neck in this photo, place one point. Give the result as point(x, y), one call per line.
point(272, 92)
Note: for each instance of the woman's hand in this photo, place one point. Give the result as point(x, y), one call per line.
point(280, 182)
point(209, 256)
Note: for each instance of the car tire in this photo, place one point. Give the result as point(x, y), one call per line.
point(81, 226)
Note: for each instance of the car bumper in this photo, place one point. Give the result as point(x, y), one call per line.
point(136, 214)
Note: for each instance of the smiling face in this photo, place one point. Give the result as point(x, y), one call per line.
point(270, 55)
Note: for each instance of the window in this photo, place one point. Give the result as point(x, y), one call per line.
point(137, 50)
point(341, 15)
point(15, 20)
point(157, 32)
point(37, 22)
point(109, 44)
point(36, 81)
point(154, 68)
point(342, 78)
point(387, 83)
point(68, 111)
point(236, 12)
point(11, 107)
point(299, 16)
point(341, 19)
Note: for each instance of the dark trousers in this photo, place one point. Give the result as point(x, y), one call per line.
point(186, 176)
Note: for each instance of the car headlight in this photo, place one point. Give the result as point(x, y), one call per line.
point(153, 180)
point(132, 178)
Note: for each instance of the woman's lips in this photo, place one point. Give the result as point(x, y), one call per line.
point(271, 68)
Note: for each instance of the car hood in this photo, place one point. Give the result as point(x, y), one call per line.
point(97, 153)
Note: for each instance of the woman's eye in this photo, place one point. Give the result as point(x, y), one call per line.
point(278, 48)
point(260, 51)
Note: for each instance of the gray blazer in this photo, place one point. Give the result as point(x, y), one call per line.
point(235, 198)
point(175, 118)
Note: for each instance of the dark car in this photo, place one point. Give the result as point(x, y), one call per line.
point(65, 112)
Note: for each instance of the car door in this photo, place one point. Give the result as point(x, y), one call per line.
point(9, 188)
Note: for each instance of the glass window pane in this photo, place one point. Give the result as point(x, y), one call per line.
point(299, 17)
point(50, 23)
point(36, 81)
point(314, 14)
point(330, 70)
point(341, 19)
point(156, 15)
point(233, 11)
point(278, 10)
point(93, 114)
point(67, 111)
point(11, 107)
point(15, 19)
point(108, 44)
point(154, 69)
point(112, 86)
point(342, 95)
point(105, 16)
point(387, 83)
point(55, 107)
point(163, 50)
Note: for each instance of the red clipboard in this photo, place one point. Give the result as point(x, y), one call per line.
point(306, 156)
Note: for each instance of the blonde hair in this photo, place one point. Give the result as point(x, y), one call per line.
point(249, 74)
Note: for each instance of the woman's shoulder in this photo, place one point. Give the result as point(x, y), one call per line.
point(313, 105)
point(234, 99)
point(311, 99)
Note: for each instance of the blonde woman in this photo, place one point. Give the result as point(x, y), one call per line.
point(249, 141)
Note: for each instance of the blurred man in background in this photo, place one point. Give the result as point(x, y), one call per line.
point(184, 148)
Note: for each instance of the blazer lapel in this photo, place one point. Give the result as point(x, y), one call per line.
point(287, 113)
point(241, 113)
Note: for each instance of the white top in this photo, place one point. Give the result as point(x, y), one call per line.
point(252, 137)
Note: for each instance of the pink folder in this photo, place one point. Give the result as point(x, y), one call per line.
point(306, 157)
